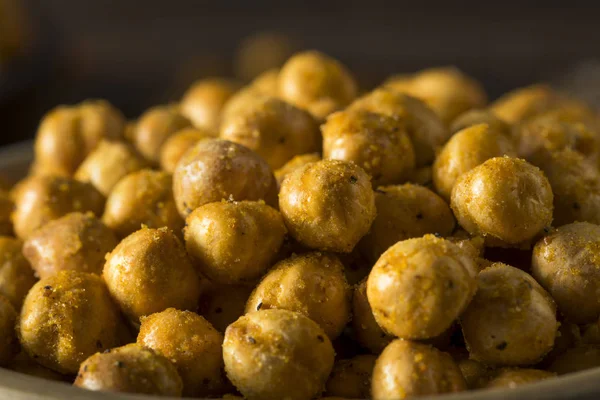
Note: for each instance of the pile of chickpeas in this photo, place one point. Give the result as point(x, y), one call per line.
point(295, 238)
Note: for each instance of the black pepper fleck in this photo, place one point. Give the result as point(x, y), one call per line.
point(259, 306)
point(502, 346)
point(353, 179)
point(48, 287)
point(251, 340)
point(321, 338)
point(437, 235)
point(119, 364)
point(419, 216)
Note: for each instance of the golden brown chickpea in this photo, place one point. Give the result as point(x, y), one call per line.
point(567, 263)
point(312, 284)
point(217, 169)
point(480, 116)
point(234, 242)
point(9, 344)
point(130, 369)
point(245, 98)
point(295, 163)
point(328, 205)
point(277, 354)
point(192, 344)
point(523, 103)
point(513, 377)
point(274, 129)
point(352, 378)
point(377, 143)
point(6, 208)
point(404, 212)
point(204, 100)
point(24, 364)
point(154, 127)
point(222, 305)
point(576, 359)
point(68, 134)
point(42, 199)
point(267, 82)
point(435, 280)
point(142, 198)
point(149, 271)
point(317, 83)
point(475, 373)
point(464, 151)
point(505, 200)
point(511, 320)
point(76, 242)
point(176, 146)
point(408, 369)
point(107, 164)
point(368, 333)
point(16, 275)
point(261, 52)
point(66, 318)
point(424, 127)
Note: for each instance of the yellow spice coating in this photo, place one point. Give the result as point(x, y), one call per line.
point(351, 378)
point(277, 354)
point(76, 242)
point(418, 287)
point(6, 208)
point(192, 344)
point(66, 318)
point(222, 305)
point(295, 163)
point(312, 284)
point(376, 142)
point(480, 116)
point(204, 100)
point(130, 369)
point(513, 377)
point(576, 359)
point(16, 275)
point(511, 320)
point(175, 146)
point(9, 343)
point(368, 333)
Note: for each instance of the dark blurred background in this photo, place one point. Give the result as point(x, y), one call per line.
point(138, 53)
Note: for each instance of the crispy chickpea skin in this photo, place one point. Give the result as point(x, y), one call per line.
point(567, 263)
point(66, 318)
point(466, 150)
point(234, 242)
point(274, 129)
point(16, 275)
point(404, 212)
point(204, 100)
point(408, 369)
point(510, 378)
point(277, 354)
point(154, 127)
point(351, 378)
point(68, 134)
point(328, 205)
point(107, 164)
point(149, 271)
point(295, 163)
point(480, 116)
point(511, 320)
point(576, 359)
point(376, 142)
point(186, 338)
point(425, 129)
point(76, 242)
point(368, 333)
point(217, 169)
point(312, 284)
point(130, 369)
point(6, 208)
point(222, 305)
point(316, 82)
point(523, 103)
point(142, 198)
point(42, 199)
point(505, 200)
point(176, 146)
point(9, 344)
point(418, 287)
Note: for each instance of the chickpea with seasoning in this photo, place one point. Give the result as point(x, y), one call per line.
point(16, 275)
point(176, 146)
point(522, 103)
point(295, 163)
point(204, 101)
point(9, 343)
point(351, 378)
point(480, 116)
point(267, 82)
point(368, 333)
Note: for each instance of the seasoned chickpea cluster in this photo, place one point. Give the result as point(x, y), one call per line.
point(300, 238)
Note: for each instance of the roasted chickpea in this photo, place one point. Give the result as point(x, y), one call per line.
point(130, 369)
point(409, 369)
point(312, 284)
point(435, 280)
point(217, 169)
point(16, 275)
point(107, 164)
point(9, 344)
point(274, 129)
point(523, 103)
point(154, 127)
point(267, 82)
point(511, 320)
point(261, 52)
point(176, 146)
point(576, 359)
point(404, 212)
point(6, 208)
point(424, 127)
point(185, 338)
point(204, 100)
point(377, 143)
point(42, 199)
point(316, 82)
point(476, 374)
point(295, 163)
point(244, 99)
point(66, 318)
point(290, 355)
point(222, 305)
point(567, 263)
point(351, 378)
point(368, 333)
point(328, 205)
point(76, 242)
point(505, 200)
point(513, 377)
point(464, 151)
point(480, 116)
point(142, 198)
point(149, 271)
